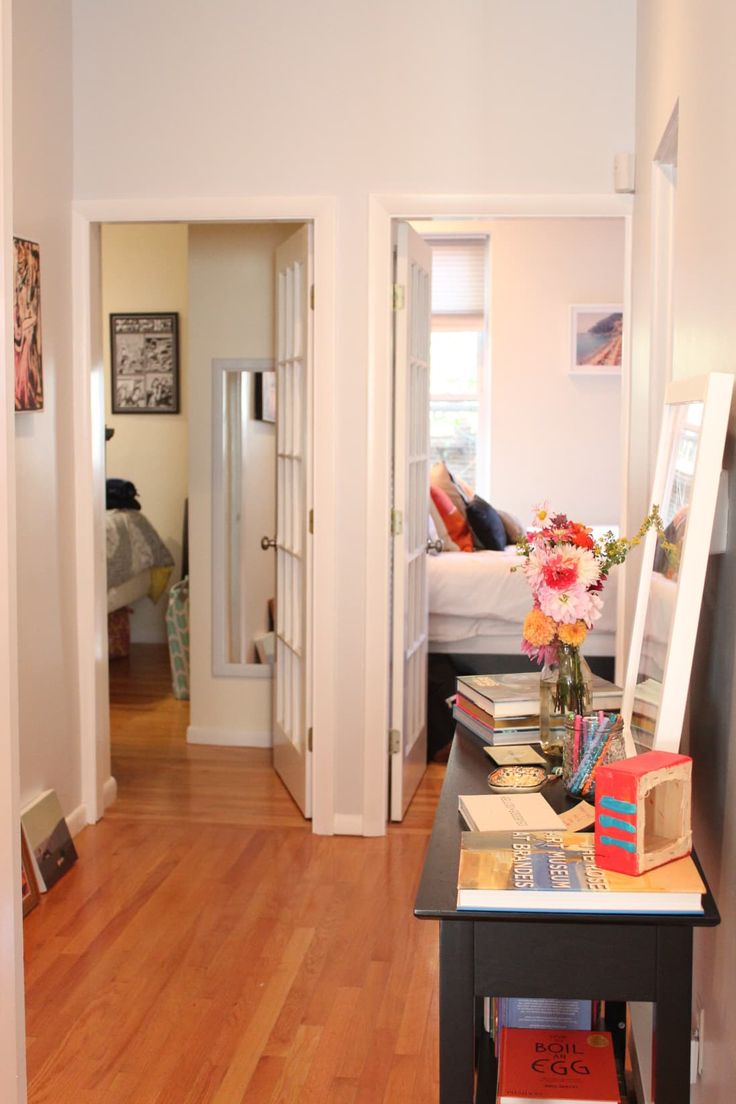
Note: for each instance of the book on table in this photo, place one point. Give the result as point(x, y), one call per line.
point(554, 871)
point(513, 695)
point(558, 1067)
point(507, 812)
point(510, 730)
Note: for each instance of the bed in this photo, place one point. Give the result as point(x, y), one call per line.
point(477, 604)
point(138, 562)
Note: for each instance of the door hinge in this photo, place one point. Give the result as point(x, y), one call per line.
point(311, 296)
point(394, 741)
point(311, 521)
point(398, 300)
point(397, 523)
point(310, 738)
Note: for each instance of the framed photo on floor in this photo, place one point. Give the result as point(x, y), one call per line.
point(29, 892)
point(144, 363)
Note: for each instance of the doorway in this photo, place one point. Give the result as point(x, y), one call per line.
point(98, 782)
point(383, 211)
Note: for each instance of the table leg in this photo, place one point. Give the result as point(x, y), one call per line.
point(672, 1016)
point(457, 1012)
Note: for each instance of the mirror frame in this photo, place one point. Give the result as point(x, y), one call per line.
point(221, 666)
point(714, 391)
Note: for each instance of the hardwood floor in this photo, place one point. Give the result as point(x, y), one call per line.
point(208, 948)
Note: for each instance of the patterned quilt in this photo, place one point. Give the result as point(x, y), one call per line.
point(133, 545)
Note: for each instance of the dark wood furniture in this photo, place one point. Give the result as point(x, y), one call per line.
point(642, 957)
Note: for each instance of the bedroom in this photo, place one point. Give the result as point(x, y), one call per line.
point(501, 382)
point(213, 457)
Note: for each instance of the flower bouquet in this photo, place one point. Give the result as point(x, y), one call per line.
point(567, 569)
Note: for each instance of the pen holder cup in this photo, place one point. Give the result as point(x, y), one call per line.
point(580, 764)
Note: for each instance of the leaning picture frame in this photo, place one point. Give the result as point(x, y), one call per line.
point(144, 363)
point(29, 888)
point(596, 339)
point(685, 488)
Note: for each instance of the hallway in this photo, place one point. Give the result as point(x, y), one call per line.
point(208, 948)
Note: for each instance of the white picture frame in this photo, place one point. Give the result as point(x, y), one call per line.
point(596, 339)
point(670, 591)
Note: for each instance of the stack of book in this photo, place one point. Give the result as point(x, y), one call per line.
point(504, 709)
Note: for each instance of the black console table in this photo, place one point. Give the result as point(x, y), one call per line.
point(638, 957)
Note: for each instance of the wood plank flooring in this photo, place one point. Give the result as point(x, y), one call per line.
point(208, 949)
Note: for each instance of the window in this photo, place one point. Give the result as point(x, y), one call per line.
point(459, 422)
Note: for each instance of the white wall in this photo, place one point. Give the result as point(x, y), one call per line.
point(539, 267)
point(144, 268)
point(231, 303)
point(42, 178)
point(348, 100)
point(685, 50)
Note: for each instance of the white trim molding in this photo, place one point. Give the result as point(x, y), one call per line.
point(227, 737)
point(87, 217)
point(382, 209)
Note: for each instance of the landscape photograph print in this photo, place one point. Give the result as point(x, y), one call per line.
point(27, 325)
point(597, 339)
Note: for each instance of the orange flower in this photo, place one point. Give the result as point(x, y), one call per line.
point(539, 629)
point(573, 634)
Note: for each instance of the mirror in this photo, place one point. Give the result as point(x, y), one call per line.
point(243, 508)
point(689, 459)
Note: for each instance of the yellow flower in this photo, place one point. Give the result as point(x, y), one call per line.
point(539, 629)
point(573, 634)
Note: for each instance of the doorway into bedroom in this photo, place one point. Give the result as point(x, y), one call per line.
point(189, 325)
point(511, 418)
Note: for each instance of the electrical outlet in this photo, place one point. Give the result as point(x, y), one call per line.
point(701, 1039)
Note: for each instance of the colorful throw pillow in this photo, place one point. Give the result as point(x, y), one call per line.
point(514, 529)
point(440, 477)
point(454, 522)
point(485, 525)
point(435, 518)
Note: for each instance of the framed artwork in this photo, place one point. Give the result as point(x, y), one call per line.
point(27, 325)
point(144, 363)
point(266, 396)
point(29, 891)
point(686, 483)
point(596, 339)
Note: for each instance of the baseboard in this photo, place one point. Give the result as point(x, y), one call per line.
point(348, 824)
point(77, 820)
point(109, 792)
point(228, 737)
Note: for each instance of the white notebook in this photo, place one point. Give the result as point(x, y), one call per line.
point(508, 812)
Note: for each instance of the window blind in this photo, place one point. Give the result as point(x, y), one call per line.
point(459, 276)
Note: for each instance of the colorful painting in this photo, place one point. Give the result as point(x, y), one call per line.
point(144, 358)
point(597, 337)
point(27, 326)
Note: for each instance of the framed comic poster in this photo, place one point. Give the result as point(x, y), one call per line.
point(144, 363)
point(27, 325)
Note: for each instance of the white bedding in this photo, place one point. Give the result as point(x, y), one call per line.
point(475, 598)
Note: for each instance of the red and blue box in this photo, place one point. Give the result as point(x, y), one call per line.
point(643, 812)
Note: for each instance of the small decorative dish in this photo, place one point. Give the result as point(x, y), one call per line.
point(517, 779)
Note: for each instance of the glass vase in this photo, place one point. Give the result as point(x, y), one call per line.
point(565, 688)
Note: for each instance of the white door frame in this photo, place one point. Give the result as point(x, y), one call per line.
point(381, 210)
point(98, 788)
point(12, 1022)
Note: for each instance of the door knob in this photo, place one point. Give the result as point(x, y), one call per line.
point(268, 542)
point(434, 545)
